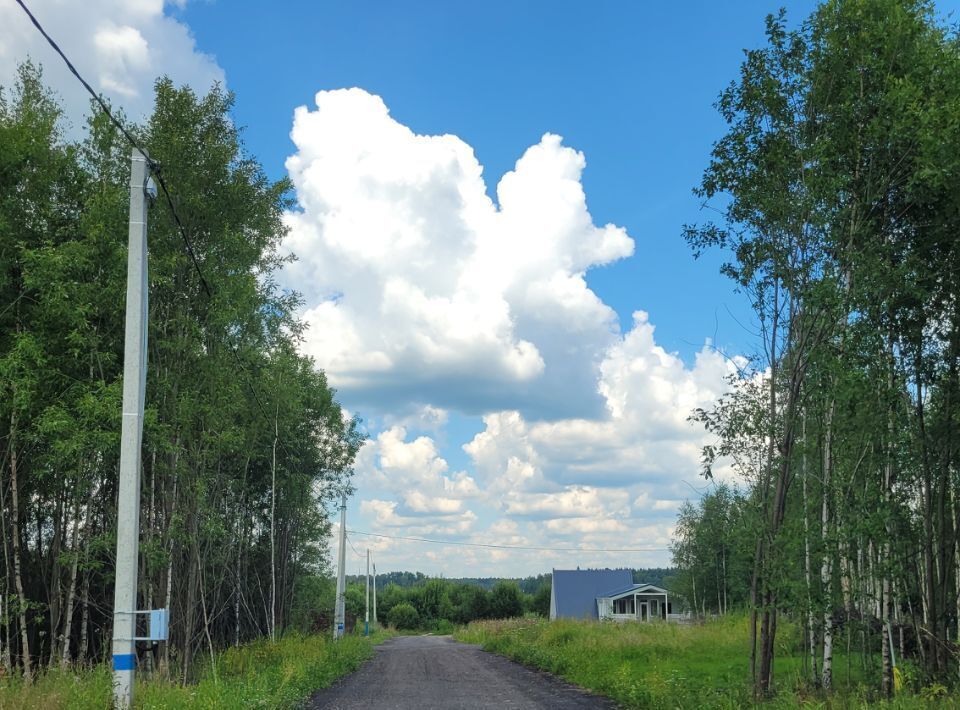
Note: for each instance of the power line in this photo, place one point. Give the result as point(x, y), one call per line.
point(153, 165)
point(181, 229)
point(352, 547)
point(155, 170)
point(73, 70)
point(512, 547)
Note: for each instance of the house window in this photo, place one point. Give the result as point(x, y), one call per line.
point(623, 606)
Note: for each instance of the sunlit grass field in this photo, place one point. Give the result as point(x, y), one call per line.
point(679, 666)
point(256, 675)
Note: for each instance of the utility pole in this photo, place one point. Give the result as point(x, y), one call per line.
point(339, 616)
point(366, 616)
point(131, 437)
point(374, 595)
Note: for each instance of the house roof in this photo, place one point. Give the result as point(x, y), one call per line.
point(576, 590)
point(633, 589)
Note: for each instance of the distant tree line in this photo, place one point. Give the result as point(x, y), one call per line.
point(412, 600)
point(837, 186)
point(430, 604)
point(443, 602)
point(663, 577)
point(658, 576)
point(243, 441)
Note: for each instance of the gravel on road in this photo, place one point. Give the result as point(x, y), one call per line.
point(424, 672)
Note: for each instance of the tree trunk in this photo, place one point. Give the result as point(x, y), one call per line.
point(886, 670)
point(929, 574)
point(84, 609)
point(206, 618)
point(811, 622)
point(53, 592)
point(68, 610)
point(188, 616)
point(17, 572)
point(956, 575)
point(4, 602)
point(724, 560)
point(273, 542)
point(168, 592)
point(826, 568)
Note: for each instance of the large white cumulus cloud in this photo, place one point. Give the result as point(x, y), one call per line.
point(119, 46)
point(424, 296)
point(593, 479)
point(421, 288)
point(611, 482)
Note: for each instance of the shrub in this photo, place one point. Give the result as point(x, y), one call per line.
point(443, 626)
point(404, 616)
point(506, 600)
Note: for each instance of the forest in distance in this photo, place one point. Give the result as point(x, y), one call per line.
point(438, 604)
point(657, 576)
point(833, 466)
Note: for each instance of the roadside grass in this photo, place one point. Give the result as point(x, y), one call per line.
point(256, 675)
point(676, 666)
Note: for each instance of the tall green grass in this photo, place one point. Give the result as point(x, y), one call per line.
point(672, 665)
point(256, 675)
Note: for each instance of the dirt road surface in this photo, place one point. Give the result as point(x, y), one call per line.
point(425, 672)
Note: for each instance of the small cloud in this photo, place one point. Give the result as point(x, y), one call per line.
point(118, 45)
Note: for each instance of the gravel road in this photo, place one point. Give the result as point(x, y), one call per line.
point(423, 672)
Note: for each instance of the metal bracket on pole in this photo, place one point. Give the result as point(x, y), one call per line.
point(159, 624)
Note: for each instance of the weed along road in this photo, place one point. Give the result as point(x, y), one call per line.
point(422, 672)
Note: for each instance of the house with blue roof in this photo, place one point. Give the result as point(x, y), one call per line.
point(605, 594)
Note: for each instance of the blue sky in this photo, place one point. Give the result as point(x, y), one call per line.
point(630, 84)
point(490, 205)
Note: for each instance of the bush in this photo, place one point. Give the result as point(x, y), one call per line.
point(404, 616)
point(540, 604)
point(506, 600)
point(313, 602)
point(443, 627)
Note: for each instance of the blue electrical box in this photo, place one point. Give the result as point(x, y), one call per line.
point(159, 624)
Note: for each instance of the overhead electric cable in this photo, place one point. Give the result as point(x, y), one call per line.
point(155, 170)
point(352, 547)
point(511, 547)
point(73, 70)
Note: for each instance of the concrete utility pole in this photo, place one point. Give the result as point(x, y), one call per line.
point(339, 615)
point(131, 436)
point(374, 595)
point(366, 616)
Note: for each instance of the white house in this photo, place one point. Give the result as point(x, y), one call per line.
point(605, 594)
point(640, 602)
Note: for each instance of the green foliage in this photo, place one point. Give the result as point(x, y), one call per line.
point(404, 616)
point(440, 603)
point(713, 551)
point(354, 600)
point(243, 441)
point(663, 665)
point(443, 626)
point(313, 603)
point(836, 187)
point(934, 692)
point(505, 601)
point(540, 603)
point(260, 674)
